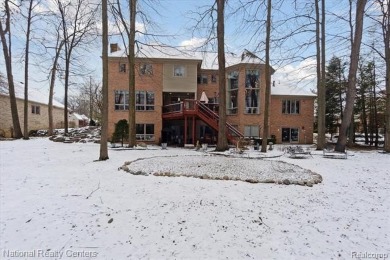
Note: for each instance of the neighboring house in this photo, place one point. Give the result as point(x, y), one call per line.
point(77, 120)
point(177, 99)
point(38, 117)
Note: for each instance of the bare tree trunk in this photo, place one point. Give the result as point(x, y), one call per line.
point(104, 131)
point(322, 92)
point(375, 106)
point(222, 144)
point(386, 39)
point(26, 57)
point(320, 42)
point(52, 83)
point(131, 57)
point(77, 20)
point(351, 92)
point(267, 79)
point(17, 131)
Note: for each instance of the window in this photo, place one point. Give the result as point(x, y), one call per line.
point(144, 100)
point(290, 135)
point(290, 106)
point(213, 78)
point(202, 79)
point(146, 69)
point(252, 89)
point(179, 71)
point(121, 100)
point(35, 109)
point(122, 67)
point(251, 131)
point(145, 132)
point(232, 94)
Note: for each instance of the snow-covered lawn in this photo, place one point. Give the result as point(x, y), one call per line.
point(56, 200)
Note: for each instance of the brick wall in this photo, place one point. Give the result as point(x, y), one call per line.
point(119, 81)
point(35, 122)
point(303, 121)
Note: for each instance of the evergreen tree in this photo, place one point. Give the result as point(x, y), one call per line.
point(121, 131)
point(335, 91)
point(362, 97)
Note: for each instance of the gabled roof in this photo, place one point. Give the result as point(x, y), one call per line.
point(80, 117)
point(34, 95)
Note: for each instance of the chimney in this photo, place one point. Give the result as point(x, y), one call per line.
point(113, 47)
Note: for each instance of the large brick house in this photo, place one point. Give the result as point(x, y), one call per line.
point(177, 99)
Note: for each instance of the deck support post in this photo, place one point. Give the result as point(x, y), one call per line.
point(193, 130)
point(185, 130)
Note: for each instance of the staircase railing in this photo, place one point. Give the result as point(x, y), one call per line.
point(204, 112)
point(211, 115)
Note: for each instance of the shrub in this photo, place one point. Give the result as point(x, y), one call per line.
point(121, 131)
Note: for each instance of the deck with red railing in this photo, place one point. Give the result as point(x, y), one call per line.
point(208, 113)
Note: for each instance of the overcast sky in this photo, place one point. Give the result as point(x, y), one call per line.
point(176, 19)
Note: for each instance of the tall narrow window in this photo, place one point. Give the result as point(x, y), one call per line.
point(232, 93)
point(213, 78)
point(144, 100)
point(122, 67)
point(121, 100)
point(252, 90)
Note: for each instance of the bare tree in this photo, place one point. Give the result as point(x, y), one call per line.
point(351, 92)
point(320, 55)
point(86, 99)
point(5, 30)
point(104, 132)
point(222, 144)
point(131, 60)
point(267, 79)
point(384, 23)
point(77, 20)
point(53, 75)
point(29, 19)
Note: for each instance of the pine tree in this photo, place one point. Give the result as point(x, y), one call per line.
point(121, 131)
point(335, 91)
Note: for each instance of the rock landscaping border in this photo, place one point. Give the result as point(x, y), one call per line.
point(223, 168)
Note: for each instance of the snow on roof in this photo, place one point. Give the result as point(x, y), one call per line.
point(209, 60)
point(77, 116)
point(290, 91)
point(34, 95)
point(84, 117)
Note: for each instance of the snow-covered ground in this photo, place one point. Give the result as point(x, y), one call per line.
point(57, 201)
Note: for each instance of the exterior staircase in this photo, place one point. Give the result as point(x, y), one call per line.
point(204, 113)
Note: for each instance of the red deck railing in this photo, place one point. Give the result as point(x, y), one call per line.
point(206, 112)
